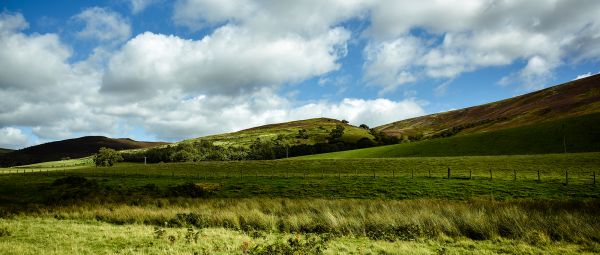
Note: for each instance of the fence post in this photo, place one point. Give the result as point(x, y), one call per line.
point(304, 173)
point(393, 173)
point(449, 173)
point(470, 174)
point(594, 177)
point(491, 174)
point(412, 173)
point(373, 173)
point(566, 177)
point(429, 173)
point(539, 179)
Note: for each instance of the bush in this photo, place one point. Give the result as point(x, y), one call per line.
point(107, 157)
point(189, 190)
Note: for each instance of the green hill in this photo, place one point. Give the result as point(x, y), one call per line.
point(2, 150)
point(581, 134)
point(575, 98)
point(317, 131)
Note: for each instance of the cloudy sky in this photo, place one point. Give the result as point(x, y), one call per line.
point(170, 70)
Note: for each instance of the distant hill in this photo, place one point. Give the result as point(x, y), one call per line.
point(2, 150)
point(70, 148)
point(575, 134)
point(571, 99)
point(317, 131)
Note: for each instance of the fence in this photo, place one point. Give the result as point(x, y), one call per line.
point(567, 177)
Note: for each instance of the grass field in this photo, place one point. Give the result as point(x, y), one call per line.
point(302, 206)
point(582, 134)
point(401, 178)
point(31, 236)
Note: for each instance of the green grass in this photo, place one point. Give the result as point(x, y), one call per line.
point(51, 236)
point(582, 134)
point(401, 178)
point(87, 161)
point(261, 205)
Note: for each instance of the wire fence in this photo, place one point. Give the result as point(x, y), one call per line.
point(540, 176)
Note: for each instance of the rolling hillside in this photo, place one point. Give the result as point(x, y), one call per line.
point(317, 131)
point(575, 134)
point(2, 150)
point(70, 148)
point(571, 99)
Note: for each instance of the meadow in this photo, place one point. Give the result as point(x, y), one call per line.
point(306, 206)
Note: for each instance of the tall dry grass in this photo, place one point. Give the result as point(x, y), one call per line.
point(533, 221)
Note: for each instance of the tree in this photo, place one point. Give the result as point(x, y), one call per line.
point(107, 157)
point(364, 126)
point(336, 133)
point(345, 121)
point(302, 134)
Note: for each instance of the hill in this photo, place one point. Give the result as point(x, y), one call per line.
point(2, 150)
point(70, 148)
point(317, 130)
point(581, 134)
point(571, 99)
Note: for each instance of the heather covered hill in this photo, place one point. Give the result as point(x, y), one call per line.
point(575, 98)
point(70, 148)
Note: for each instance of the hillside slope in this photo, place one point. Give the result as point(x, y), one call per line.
point(575, 134)
point(317, 131)
point(2, 150)
point(574, 98)
point(70, 148)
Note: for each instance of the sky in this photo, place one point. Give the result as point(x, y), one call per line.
point(162, 70)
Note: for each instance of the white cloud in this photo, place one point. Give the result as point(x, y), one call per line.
point(272, 17)
point(138, 6)
point(470, 35)
point(585, 75)
point(103, 25)
point(232, 60)
point(12, 138)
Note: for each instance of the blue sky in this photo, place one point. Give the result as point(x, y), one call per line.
point(171, 70)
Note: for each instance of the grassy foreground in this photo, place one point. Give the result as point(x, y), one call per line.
point(51, 236)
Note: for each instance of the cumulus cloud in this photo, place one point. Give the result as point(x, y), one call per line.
point(272, 17)
point(232, 60)
point(103, 25)
point(466, 36)
point(12, 138)
point(138, 6)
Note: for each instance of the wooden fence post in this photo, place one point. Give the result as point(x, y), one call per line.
point(566, 177)
point(594, 177)
point(429, 173)
point(412, 173)
point(393, 173)
point(470, 174)
point(449, 173)
point(491, 174)
point(539, 179)
point(373, 173)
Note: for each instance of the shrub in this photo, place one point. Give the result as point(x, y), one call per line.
point(107, 157)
